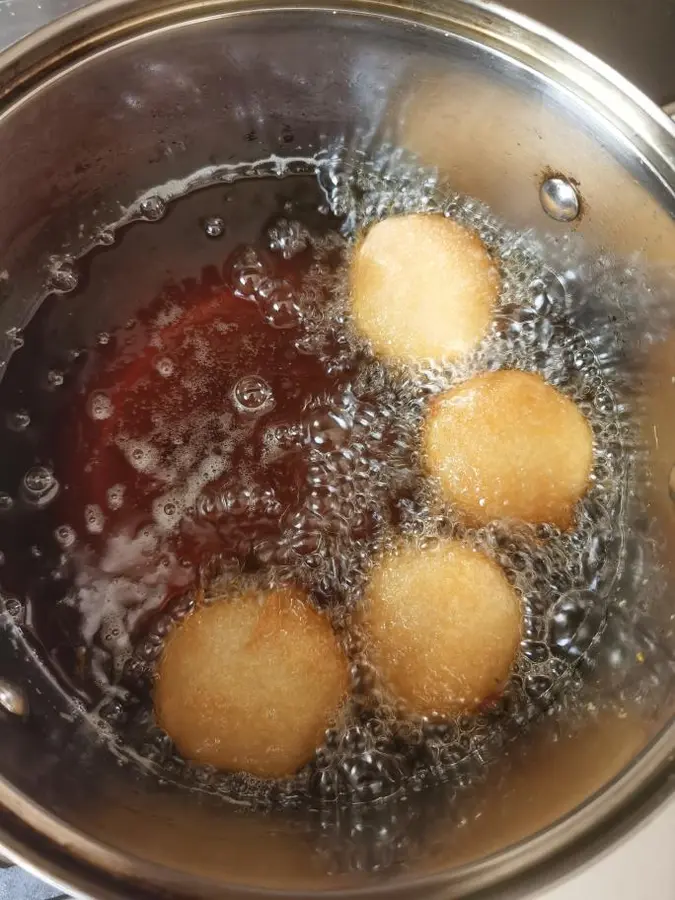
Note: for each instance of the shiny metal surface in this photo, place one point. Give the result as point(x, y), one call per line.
point(19, 18)
point(634, 36)
point(12, 699)
point(559, 199)
point(127, 95)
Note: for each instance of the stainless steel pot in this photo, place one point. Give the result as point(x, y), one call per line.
point(127, 94)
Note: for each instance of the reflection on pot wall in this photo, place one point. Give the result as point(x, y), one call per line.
point(500, 147)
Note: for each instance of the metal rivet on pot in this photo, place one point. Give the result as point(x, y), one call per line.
point(12, 699)
point(559, 199)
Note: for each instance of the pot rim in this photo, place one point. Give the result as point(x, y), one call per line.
point(42, 843)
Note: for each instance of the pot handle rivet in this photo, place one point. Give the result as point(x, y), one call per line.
point(669, 110)
point(12, 699)
point(560, 199)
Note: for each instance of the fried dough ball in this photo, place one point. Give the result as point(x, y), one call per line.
point(250, 683)
point(508, 445)
point(443, 626)
point(422, 286)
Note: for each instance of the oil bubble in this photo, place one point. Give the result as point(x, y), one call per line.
point(152, 208)
point(99, 406)
point(39, 486)
point(105, 237)
point(115, 497)
point(65, 536)
point(55, 379)
point(248, 273)
point(94, 519)
point(549, 292)
point(63, 278)
point(15, 337)
point(329, 429)
point(252, 394)
point(214, 227)
point(12, 606)
point(288, 238)
point(574, 622)
point(19, 420)
point(164, 366)
point(277, 304)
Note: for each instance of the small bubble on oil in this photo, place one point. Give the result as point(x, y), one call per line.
point(278, 305)
point(65, 536)
point(252, 394)
point(12, 606)
point(115, 497)
point(94, 519)
point(39, 486)
point(99, 406)
point(214, 227)
point(164, 366)
point(63, 278)
point(152, 208)
point(55, 379)
point(288, 238)
point(16, 338)
point(105, 237)
point(19, 420)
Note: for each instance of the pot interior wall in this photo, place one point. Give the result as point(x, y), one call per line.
point(86, 142)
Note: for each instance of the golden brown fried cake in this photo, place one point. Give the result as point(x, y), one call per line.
point(508, 445)
point(422, 286)
point(250, 683)
point(443, 626)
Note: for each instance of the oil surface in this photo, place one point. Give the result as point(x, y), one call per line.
point(190, 410)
